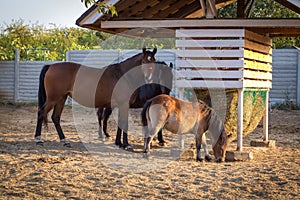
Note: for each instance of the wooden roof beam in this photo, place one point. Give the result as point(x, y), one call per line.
point(294, 5)
point(245, 8)
point(185, 23)
point(209, 8)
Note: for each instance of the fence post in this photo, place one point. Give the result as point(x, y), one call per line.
point(17, 75)
point(240, 127)
point(298, 79)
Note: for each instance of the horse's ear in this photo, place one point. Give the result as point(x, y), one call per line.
point(154, 51)
point(171, 65)
point(144, 50)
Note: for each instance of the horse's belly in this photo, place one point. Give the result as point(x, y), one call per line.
point(175, 125)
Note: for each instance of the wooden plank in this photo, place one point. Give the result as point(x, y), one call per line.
point(209, 43)
point(257, 56)
point(209, 74)
point(208, 84)
point(257, 84)
point(210, 63)
point(159, 7)
point(258, 47)
point(209, 53)
point(202, 23)
point(249, 64)
point(212, 33)
point(258, 38)
point(257, 75)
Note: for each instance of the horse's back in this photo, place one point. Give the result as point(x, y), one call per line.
point(181, 115)
point(60, 78)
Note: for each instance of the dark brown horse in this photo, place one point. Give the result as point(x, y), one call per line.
point(111, 86)
point(179, 116)
point(159, 82)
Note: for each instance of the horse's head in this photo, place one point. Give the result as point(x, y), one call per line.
point(148, 63)
point(220, 147)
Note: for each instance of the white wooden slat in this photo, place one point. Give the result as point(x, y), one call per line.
point(210, 53)
point(212, 33)
point(207, 84)
point(209, 74)
point(209, 43)
point(210, 63)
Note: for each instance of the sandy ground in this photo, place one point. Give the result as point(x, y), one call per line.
point(52, 171)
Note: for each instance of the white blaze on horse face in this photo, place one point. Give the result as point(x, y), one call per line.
point(148, 70)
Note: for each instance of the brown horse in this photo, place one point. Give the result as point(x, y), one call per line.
point(111, 86)
point(158, 82)
point(179, 116)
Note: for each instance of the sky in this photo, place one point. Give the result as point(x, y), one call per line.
point(63, 13)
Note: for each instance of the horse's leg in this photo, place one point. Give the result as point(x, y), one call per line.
point(39, 125)
point(42, 117)
point(120, 128)
point(198, 146)
point(99, 115)
point(123, 124)
point(107, 113)
point(58, 108)
point(160, 138)
point(118, 137)
point(150, 133)
point(204, 144)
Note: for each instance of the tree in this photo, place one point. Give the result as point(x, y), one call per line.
point(103, 7)
point(35, 42)
point(266, 9)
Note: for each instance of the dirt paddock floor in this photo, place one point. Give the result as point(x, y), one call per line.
point(52, 171)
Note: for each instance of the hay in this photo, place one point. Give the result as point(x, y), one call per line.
point(254, 106)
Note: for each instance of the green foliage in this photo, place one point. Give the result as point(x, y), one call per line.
point(262, 9)
point(35, 42)
point(120, 42)
point(266, 9)
point(103, 7)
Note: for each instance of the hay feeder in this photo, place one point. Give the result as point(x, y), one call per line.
point(237, 61)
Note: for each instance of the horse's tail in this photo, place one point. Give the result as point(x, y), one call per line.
point(42, 92)
point(144, 112)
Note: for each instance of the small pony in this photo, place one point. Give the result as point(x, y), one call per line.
point(179, 116)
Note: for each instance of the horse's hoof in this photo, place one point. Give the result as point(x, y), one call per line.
point(146, 155)
point(67, 144)
point(40, 143)
point(162, 144)
point(219, 160)
point(107, 135)
point(129, 148)
point(200, 159)
point(208, 158)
